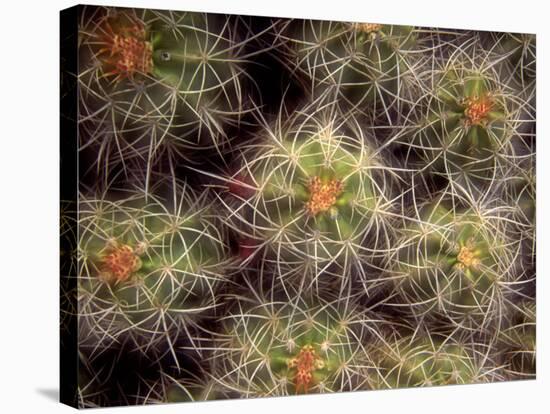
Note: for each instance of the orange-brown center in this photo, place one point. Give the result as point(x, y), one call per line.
point(128, 52)
point(120, 263)
point(306, 362)
point(477, 109)
point(322, 195)
point(467, 256)
point(368, 27)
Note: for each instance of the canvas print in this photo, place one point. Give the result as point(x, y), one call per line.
point(261, 206)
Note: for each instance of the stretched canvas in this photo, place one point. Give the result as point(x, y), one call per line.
point(260, 206)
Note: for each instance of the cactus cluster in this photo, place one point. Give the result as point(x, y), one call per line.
point(273, 347)
point(149, 268)
point(273, 207)
point(157, 87)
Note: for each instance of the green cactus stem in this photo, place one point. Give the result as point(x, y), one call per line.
point(278, 349)
point(519, 342)
point(465, 128)
point(148, 271)
point(365, 65)
point(158, 86)
point(427, 361)
point(322, 195)
point(454, 263)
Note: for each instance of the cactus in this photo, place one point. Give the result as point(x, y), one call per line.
point(68, 268)
point(91, 392)
point(187, 384)
point(420, 361)
point(272, 207)
point(157, 86)
point(192, 389)
point(520, 52)
point(274, 348)
point(454, 263)
point(318, 195)
point(464, 127)
point(518, 341)
point(148, 270)
point(365, 65)
point(519, 189)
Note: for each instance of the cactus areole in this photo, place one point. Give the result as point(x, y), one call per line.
point(127, 51)
point(368, 27)
point(467, 256)
point(120, 263)
point(477, 109)
point(323, 195)
point(306, 363)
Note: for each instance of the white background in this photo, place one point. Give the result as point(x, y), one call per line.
point(29, 142)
